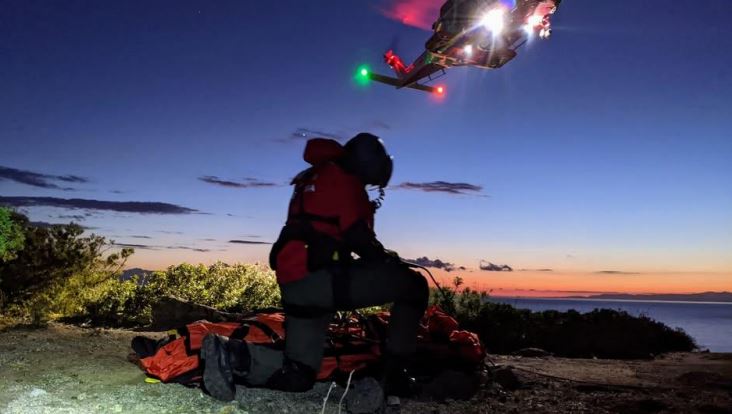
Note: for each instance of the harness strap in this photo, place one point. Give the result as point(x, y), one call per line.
point(243, 331)
point(266, 329)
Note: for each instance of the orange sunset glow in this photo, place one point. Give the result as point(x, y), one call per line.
point(527, 283)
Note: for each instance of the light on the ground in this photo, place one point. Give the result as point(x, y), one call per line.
point(494, 20)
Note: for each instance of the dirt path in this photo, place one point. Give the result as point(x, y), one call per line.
point(66, 369)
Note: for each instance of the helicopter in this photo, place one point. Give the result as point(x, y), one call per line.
point(478, 33)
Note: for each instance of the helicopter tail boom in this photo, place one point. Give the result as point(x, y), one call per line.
point(398, 83)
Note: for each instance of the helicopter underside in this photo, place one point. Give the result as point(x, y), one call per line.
point(485, 33)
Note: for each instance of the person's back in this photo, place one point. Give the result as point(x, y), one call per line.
point(326, 201)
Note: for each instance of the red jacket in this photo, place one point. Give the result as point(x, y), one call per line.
point(329, 217)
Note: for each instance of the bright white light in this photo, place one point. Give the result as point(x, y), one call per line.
point(534, 20)
point(468, 49)
point(494, 20)
point(529, 29)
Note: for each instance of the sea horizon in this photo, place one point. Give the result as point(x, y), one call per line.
point(568, 298)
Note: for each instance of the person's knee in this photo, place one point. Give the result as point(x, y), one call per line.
point(415, 291)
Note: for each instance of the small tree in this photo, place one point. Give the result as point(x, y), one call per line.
point(51, 255)
point(457, 281)
point(11, 235)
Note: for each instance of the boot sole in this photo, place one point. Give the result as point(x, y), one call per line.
point(217, 376)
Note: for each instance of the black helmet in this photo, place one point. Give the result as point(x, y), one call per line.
point(367, 159)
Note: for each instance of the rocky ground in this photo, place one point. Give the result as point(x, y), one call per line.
point(66, 369)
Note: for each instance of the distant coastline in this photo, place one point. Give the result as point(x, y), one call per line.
point(714, 297)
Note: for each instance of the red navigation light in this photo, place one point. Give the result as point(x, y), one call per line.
point(440, 90)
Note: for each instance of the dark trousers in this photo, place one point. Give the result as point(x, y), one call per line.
point(367, 284)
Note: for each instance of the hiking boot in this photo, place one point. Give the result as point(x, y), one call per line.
point(395, 380)
point(398, 383)
point(224, 359)
point(294, 376)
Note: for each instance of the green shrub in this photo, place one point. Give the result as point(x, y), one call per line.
point(225, 287)
point(54, 269)
point(230, 288)
point(602, 333)
point(52, 272)
point(11, 235)
point(463, 304)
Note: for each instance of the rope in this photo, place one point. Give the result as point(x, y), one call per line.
point(593, 383)
point(325, 400)
point(348, 385)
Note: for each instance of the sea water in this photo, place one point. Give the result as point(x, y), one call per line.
point(710, 324)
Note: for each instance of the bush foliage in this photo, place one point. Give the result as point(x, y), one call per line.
point(52, 272)
point(230, 288)
point(602, 333)
point(11, 235)
point(35, 278)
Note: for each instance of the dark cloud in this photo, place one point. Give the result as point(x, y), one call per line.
point(152, 247)
point(194, 249)
point(136, 246)
point(303, 134)
point(615, 272)
point(490, 267)
point(437, 263)
point(140, 237)
point(442, 187)
point(248, 242)
point(36, 179)
point(142, 207)
point(377, 124)
point(245, 183)
point(77, 217)
point(306, 133)
point(170, 232)
point(208, 239)
point(536, 270)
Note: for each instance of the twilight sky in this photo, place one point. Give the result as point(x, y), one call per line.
point(603, 154)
